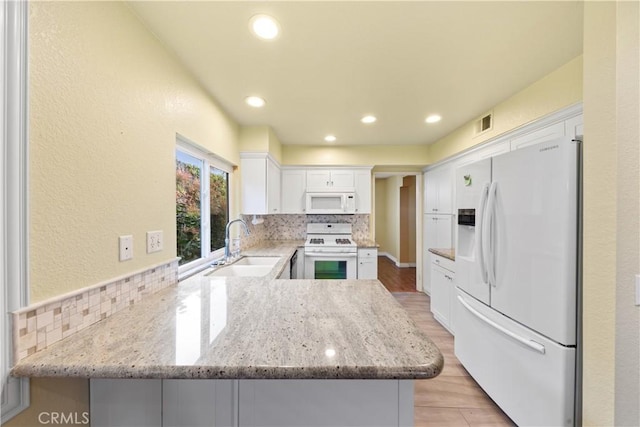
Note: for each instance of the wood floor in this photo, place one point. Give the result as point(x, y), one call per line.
point(396, 279)
point(453, 398)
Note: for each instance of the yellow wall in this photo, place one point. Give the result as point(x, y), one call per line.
point(275, 147)
point(355, 155)
point(254, 139)
point(627, 375)
point(106, 102)
point(380, 214)
point(260, 139)
point(559, 89)
point(600, 167)
point(611, 205)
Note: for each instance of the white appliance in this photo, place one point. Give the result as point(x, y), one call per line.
point(331, 202)
point(329, 252)
point(517, 273)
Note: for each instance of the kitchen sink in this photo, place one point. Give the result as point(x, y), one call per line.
point(257, 260)
point(242, 270)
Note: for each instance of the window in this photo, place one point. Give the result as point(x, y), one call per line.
point(202, 204)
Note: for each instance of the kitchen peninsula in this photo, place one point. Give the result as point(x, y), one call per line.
point(266, 351)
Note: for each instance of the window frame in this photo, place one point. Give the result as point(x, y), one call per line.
point(209, 159)
point(14, 257)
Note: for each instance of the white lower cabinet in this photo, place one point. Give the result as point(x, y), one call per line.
point(437, 234)
point(141, 403)
point(443, 291)
point(199, 403)
point(166, 403)
point(126, 403)
point(325, 403)
point(368, 263)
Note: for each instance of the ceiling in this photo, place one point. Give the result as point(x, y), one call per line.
point(336, 61)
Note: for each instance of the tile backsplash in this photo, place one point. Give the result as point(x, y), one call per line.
point(39, 325)
point(294, 227)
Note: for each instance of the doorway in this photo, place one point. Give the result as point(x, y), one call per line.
point(396, 229)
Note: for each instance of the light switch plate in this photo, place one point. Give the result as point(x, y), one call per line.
point(638, 289)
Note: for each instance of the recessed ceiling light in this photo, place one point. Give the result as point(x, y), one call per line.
point(368, 119)
point(330, 138)
point(255, 101)
point(434, 118)
point(264, 27)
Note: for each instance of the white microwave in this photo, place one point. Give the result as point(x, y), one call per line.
point(331, 203)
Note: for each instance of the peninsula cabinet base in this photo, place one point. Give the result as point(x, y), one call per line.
point(251, 403)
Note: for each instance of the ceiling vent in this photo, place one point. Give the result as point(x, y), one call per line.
point(484, 124)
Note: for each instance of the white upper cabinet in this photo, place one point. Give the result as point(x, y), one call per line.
point(548, 133)
point(363, 191)
point(438, 190)
point(294, 186)
point(330, 179)
point(260, 176)
point(273, 187)
point(574, 127)
point(437, 231)
point(269, 189)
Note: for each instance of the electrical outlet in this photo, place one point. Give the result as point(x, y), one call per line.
point(154, 241)
point(126, 247)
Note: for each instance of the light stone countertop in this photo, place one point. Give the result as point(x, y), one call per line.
point(449, 253)
point(366, 243)
point(249, 328)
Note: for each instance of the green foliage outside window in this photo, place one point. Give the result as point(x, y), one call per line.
point(188, 211)
point(218, 184)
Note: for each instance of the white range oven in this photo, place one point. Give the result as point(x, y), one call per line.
point(329, 252)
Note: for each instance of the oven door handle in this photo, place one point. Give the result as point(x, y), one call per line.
point(329, 255)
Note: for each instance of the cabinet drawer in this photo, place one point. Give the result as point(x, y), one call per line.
point(443, 262)
point(367, 253)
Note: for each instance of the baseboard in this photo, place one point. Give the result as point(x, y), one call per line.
point(391, 257)
point(406, 264)
point(395, 261)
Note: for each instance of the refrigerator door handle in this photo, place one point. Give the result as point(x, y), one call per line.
point(488, 245)
point(527, 342)
point(479, 233)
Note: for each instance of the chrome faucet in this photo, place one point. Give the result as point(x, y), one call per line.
point(227, 253)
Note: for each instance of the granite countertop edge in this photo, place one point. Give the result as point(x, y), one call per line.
point(224, 372)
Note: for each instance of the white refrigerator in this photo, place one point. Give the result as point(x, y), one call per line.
point(517, 274)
